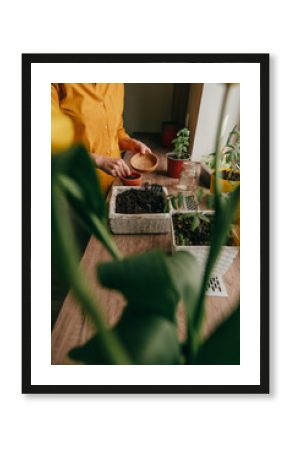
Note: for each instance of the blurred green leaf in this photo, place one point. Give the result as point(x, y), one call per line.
point(195, 223)
point(180, 199)
point(77, 176)
point(225, 209)
point(223, 218)
point(223, 346)
point(67, 260)
point(209, 201)
point(77, 165)
point(174, 203)
point(204, 218)
point(226, 206)
point(166, 206)
point(185, 275)
point(148, 338)
point(136, 277)
point(199, 194)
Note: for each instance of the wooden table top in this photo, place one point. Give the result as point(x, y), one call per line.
point(73, 327)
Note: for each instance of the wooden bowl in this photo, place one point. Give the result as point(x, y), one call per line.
point(144, 163)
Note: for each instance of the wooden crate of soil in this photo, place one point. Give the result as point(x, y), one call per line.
point(138, 222)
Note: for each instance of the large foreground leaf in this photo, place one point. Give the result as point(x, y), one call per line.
point(65, 252)
point(226, 207)
point(223, 346)
point(153, 282)
point(225, 211)
point(74, 171)
point(148, 339)
point(185, 274)
point(76, 165)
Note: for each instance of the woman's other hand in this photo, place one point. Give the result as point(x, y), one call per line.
point(134, 145)
point(113, 166)
point(140, 147)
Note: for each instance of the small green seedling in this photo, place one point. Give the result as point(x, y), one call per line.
point(180, 199)
point(181, 144)
point(197, 219)
point(176, 201)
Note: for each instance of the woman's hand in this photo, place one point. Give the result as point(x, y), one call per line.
point(140, 147)
point(113, 166)
point(134, 146)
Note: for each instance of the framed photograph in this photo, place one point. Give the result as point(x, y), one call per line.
point(145, 262)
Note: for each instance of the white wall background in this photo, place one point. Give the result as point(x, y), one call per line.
point(130, 422)
point(147, 105)
point(209, 116)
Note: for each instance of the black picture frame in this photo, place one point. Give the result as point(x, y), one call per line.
point(27, 61)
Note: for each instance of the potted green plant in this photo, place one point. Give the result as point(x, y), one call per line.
point(179, 154)
point(229, 172)
point(229, 175)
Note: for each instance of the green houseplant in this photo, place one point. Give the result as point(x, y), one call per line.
point(229, 172)
point(229, 167)
point(179, 154)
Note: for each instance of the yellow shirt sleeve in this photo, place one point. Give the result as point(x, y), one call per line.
point(122, 134)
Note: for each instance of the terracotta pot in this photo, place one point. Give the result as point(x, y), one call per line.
point(133, 181)
point(174, 166)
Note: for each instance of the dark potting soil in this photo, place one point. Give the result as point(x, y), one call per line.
point(185, 235)
point(131, 177)
point(148, 200)
point(179, 157)
point(230, 175)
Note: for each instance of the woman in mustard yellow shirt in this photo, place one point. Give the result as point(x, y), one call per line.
point(96, 110)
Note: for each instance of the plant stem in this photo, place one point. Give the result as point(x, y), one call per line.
point(97, 227)
point(212, 256)
point(100, 230)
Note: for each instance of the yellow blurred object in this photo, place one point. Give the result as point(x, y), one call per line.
point(236, 234)
point(62, 131)
point(225, 185)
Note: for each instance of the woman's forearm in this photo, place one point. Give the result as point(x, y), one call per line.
point(128, 144)
point(97, 159)
point(134, 145)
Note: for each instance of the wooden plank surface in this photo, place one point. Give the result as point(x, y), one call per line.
point(73, 327)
